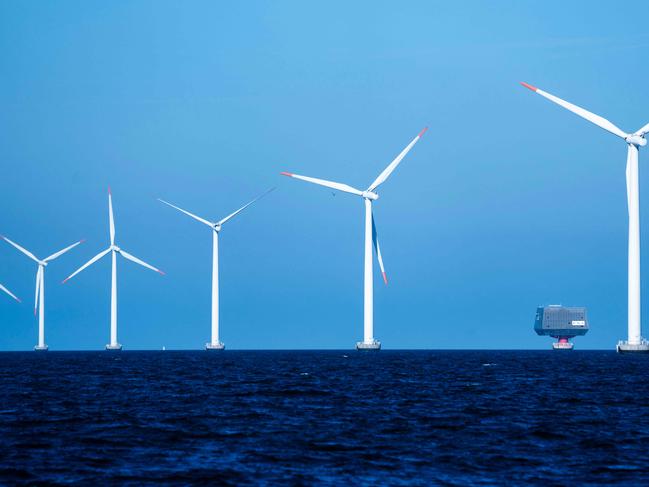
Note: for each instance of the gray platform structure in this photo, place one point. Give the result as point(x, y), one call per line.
point(374, 345)
point(562, 323)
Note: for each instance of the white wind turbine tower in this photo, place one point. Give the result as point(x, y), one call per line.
point(39, 302)
point(215, 343)
point(369, 195)
point(2, 288)
point(114, 250)
point(635, 140)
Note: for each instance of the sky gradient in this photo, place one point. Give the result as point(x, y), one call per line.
point(507, 202)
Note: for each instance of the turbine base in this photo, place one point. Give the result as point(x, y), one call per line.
point(626, 347)
point(41, 348)
point(215, 346)
point(114, 347)
point(368, 346)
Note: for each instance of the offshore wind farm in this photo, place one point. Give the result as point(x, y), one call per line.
point(506, 347)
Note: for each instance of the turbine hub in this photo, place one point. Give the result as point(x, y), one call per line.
point(217, 228)
point(42, 262)
point(115, 248)
point(637, 140)
point(370, 195)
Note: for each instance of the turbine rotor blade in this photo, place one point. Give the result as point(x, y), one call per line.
point(629, 158)
point(202, 220)
point(393, 165)
point(591, 117)
point(2, 288)
point(23, 250)
point(643, 130)
point(61, 252)
point(90, 262)
point(132, 258)
point(231, 215)
point(377, 248)
point(39, 283)
point(323, 182)
point(111, 218)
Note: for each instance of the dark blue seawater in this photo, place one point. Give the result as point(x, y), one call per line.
point(325, 417)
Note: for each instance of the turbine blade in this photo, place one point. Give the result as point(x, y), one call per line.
point(111, 217)
point(202, 220)
point(2, 288)
point(61, 252)
point(591, 117)
point(377, 247)
point(39, 277)
point(231, 215)
point(629, 158)
point(23, 250)
point(132, 258)
point(643, 131)
point(393, 165)
point(90, 262)
point(322, 182)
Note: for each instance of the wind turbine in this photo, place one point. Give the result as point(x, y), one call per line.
point(215, 343)
point(2, 288)
point(635, 140)
point(39, 302)
point(369, 195)
point(114, 250)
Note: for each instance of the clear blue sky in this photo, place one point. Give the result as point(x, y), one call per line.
point(508, 202)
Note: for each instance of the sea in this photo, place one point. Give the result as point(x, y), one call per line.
point(324, 418)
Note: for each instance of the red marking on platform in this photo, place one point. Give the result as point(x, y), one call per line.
point(529, 87)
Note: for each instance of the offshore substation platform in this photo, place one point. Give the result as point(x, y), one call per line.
point(562, 323)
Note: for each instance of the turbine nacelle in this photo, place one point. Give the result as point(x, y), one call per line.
point(216, 227)
point(115, 248)
point(637, 140)
point(370, 195)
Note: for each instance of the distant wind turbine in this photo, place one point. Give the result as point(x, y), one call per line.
point(369, 195)
point(2, 288)
point(215, 343)
point(39, 302)
point(635, 140)
point(114, 250)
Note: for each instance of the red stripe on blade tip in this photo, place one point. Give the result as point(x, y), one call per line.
point(528, 86)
